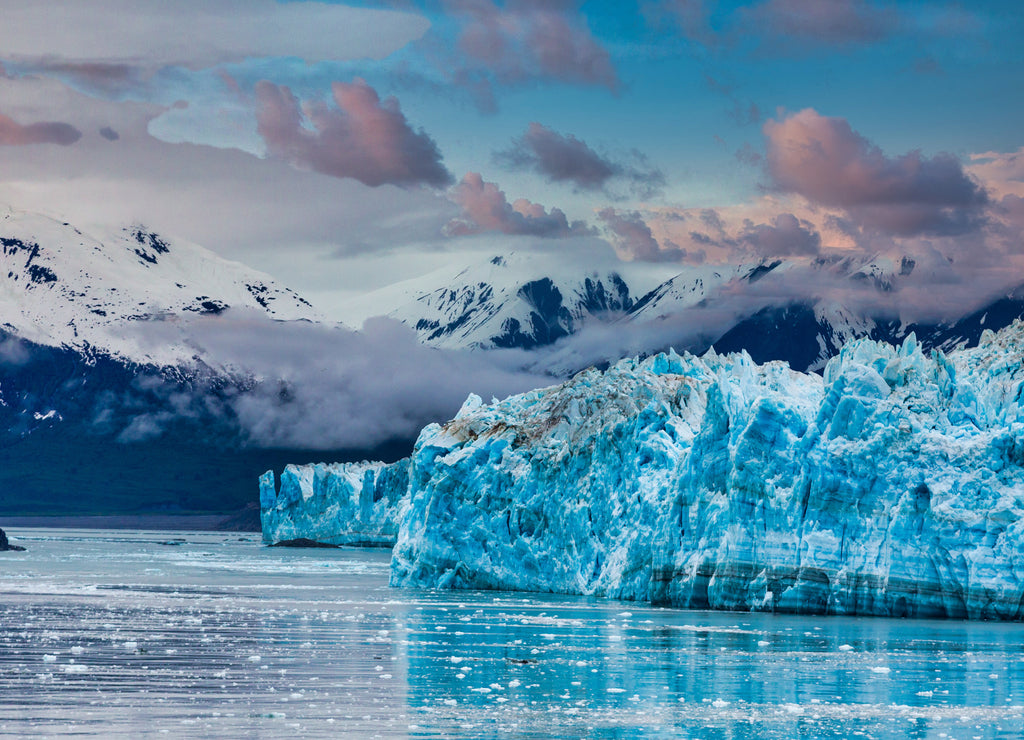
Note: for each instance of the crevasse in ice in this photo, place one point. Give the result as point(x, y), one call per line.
point(340, 504)
point(893, 485)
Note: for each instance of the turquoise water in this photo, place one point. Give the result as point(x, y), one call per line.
point(114, 634)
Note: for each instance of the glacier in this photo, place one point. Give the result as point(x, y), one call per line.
point(335, 504)
point(892, 485)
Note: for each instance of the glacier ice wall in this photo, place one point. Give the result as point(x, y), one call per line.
point(337, 504)
point(893, 485)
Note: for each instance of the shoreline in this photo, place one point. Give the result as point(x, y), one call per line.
point(234, 522)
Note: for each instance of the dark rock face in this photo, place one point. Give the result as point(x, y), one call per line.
point(791, 333)
point(7, 546)
point(794, 333)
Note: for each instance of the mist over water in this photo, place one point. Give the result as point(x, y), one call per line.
point(120, 634)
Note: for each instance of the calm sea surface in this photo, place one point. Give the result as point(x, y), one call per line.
point(123, 634)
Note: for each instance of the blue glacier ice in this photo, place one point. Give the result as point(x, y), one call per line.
point(339, 504)
point(891, 485)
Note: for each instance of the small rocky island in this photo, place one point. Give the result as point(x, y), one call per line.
point(5, 545)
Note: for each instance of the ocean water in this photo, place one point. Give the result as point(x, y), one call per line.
point(155, 634)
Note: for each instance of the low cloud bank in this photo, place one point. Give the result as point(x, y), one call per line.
point(323, 387)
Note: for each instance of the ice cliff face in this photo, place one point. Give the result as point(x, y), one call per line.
point(894, 485)
point(341, 504)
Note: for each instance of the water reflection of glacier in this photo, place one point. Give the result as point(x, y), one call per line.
point(107, 634)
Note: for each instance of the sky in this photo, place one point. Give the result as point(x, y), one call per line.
point(343, 147)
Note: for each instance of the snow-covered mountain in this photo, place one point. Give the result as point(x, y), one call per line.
point(65, 288)
point(802, 309)
point(523, 300)
point(100, 410)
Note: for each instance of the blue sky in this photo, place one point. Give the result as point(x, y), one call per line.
point(673, 131)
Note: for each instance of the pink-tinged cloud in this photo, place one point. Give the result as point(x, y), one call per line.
point(824, 160)
point(785, 235)
point(795, 27)
point(737, 236)
point(525, 41)
point(564, 158)
point(560, 158)
point(1002, 172)
point(486, 208)
point(634, 240)
point(13, 133)
point(792, 24)
point(363, 138)
point(1011, 210)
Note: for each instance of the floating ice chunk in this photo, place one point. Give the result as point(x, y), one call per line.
point(47, 658)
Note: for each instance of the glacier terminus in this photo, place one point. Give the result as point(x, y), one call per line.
point(891, 485)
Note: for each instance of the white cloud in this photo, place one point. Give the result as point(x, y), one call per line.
point(196, 33)
point(326, 387)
